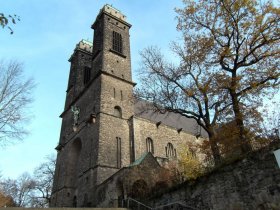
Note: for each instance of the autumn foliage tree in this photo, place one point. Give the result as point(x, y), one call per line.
point(229, 60)
point(20, 189)
point(242, 44)
point(6, 201)
point(29, 190)
point(189, 164)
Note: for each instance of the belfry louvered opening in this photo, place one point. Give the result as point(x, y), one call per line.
point(117, 42)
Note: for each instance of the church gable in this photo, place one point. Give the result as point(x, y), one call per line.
point(146, 160)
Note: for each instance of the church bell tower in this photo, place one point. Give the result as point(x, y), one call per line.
point(95, 138)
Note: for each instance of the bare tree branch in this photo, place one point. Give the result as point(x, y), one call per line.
point(15, 96)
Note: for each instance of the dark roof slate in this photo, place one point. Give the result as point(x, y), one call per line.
point(145, 110)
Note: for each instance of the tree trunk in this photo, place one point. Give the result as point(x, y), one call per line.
point(243, 141)
point(214, 148)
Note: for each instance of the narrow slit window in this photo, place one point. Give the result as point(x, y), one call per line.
point(87, 71)
point(119, 152)
point(117, 42)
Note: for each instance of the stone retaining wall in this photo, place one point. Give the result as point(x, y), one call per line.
point(251, 183)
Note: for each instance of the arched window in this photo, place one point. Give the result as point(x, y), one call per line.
point(140, 189)
point(170, 151)
point(150, 145)
point(118, 111)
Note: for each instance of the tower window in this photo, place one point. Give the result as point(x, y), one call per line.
point(118, 111)
point(150, 145)
point(87, 71)
point(117, 42)
point(119, 152)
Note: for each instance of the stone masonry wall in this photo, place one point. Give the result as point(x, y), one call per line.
point(252, 183)
point(115, 64)
point(161, 136)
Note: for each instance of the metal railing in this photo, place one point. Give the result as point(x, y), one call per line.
point(174, 205)
point(137, 205)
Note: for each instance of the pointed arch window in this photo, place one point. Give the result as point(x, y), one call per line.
point(170, 151)
point(117, 42)
point(150, 145)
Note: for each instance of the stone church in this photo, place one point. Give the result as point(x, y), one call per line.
point(109, 142)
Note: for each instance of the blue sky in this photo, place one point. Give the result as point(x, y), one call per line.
point(44, 40)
